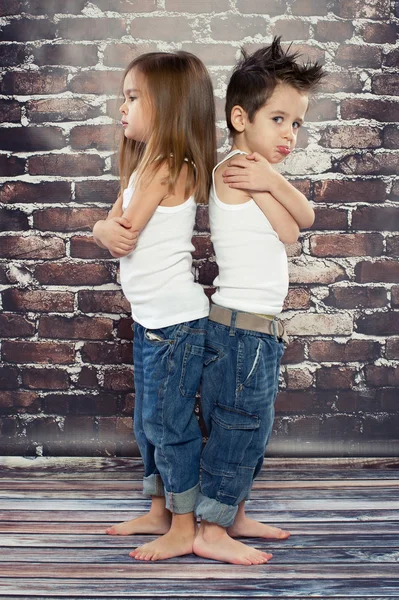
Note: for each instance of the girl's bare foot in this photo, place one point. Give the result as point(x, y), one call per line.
point(176, 542)
point(214, 542)
point(157, 521)
point(245, 527)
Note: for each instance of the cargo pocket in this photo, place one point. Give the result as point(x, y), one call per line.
point(192, 365)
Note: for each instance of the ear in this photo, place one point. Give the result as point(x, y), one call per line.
point(238, 118)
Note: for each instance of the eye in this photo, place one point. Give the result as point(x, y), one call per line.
point(278, 119)
point(132, 98)
point(296, 125)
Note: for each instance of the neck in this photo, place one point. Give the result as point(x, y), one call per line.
point(239, 143)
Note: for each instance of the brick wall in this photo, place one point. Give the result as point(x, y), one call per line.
point(66, 377)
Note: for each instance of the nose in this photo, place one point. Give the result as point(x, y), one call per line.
point(122, 108)
point(289, 132)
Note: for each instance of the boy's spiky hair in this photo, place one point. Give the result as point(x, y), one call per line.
point(256, 75)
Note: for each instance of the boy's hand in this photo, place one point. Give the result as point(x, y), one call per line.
point(251, 172)
point(116, 234)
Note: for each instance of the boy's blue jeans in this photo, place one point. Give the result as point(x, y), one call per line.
point(238, 391)
point(167, 372)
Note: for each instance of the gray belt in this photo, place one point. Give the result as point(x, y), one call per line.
point(244, 320)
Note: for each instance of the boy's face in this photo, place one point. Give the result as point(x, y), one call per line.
point(274, 129)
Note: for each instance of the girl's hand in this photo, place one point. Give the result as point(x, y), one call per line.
point(116, 235)
point(251, 172)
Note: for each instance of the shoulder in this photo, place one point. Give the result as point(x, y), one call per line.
point(224, 192)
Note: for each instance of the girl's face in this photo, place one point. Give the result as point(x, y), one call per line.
point(136, 109)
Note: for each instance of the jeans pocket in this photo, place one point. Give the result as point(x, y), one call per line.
point(191, 370)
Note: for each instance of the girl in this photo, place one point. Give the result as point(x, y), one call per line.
point(166, 157)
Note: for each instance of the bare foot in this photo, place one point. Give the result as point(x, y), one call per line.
point(176, 542)
point(246, 527)
point(157, 521)
point(214, 542)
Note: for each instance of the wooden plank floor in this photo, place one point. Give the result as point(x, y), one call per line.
point(343, 516)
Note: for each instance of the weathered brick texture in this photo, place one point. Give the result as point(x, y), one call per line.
point(66, 378)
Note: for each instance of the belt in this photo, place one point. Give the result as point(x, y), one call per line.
point(244, 320)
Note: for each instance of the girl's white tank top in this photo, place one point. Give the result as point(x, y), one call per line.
point(157, 276)
point(252, 261)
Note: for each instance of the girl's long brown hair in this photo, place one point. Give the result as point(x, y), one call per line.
point(180, 95)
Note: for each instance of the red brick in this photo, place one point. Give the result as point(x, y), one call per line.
point(271, 8)
point(13, 55)
point(376, 218)
point(297, 298)
point(380, 110)
point(379, 271)
point(43, 81)
point(299, 378)
point(354, 401)
point(203, 246)
point(79, 404)
point(207, 273)
point(391, 137)
point(349, 190)
point(294, 352)
point(335, 377)
point(338, 426)
point(385, 83)
point(388, 399)
point(301, 428)
point(21, 401)
point(100, 137)
point(76, 55)
point(342, 244)
point(395, 191)
point(379, 33)
point(15, 326)
point(3, 275)
point(73, 274)
point(202, 220)
point(361, 9)
point(96, 82)
point(8, 378)
point(32, 247)
point(381, 427)
point(87, 378)
point(392, 348)
point(60, 109)
point(167, 29)
point(23, 30)
point(383, 163)
point(10, 7)
point(382, 375)
point(342, 136)
point(235, 27)
point(391, 59)
point(379, 323)
point(322, 109)
point(309, 8)
point(13, 220)
point(120, 55)
point(205, 6)
point(356, 297)
point(124, 330)
point(212, 54)
point(348, 351)
point(129, 6)
point(57, 191)
point(86, 247)
point(43, 7)
point(393, 245)
point(107, 353)
point(333, 31)
point(67, 219)
point(343, 81)
point(78, 426)
point(118, 380)
point(45, 379)
point(75, 328)
point(103, 302)
point(10, 111)
point(38, 300)
point(67, 165)
point(328, 218)
point(291, 29)
point(127, 404)
point(99, 28)
point(31, 139)
point(97, 191)
point(38, 352)
point(290, 401)
point(11, 165)
point(9, 427)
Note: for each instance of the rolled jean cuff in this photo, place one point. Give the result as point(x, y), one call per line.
point(183, 502)
point(214, 511)
point(153, 485)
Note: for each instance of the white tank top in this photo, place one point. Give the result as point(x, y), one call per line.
point(253, 266)
point(156, 277)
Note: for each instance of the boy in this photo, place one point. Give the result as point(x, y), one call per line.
point(253, 212)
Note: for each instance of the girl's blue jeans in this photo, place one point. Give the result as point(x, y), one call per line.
point(238, 391)
point(167, 372)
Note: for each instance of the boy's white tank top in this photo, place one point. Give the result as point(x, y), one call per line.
point(252, 261)
point(156, 277)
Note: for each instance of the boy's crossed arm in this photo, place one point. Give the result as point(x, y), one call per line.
point(255, 174)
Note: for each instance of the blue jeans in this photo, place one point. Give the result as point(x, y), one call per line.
point(238, 391)
point(167, 372)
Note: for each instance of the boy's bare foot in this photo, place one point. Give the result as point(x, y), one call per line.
point(176, 542)
point(214, 542)
point(245, 527)
point(157, 521)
